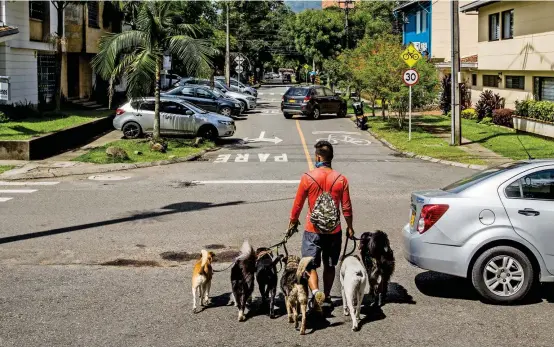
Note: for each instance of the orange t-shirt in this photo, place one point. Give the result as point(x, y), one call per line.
point(308, 188)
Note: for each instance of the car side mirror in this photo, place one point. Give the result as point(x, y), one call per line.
point(189, 113)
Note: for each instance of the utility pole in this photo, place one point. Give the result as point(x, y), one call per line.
point(227, 54)
point(456, 136)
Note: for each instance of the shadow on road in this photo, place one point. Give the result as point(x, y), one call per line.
point(181, 207)
point(451, 287)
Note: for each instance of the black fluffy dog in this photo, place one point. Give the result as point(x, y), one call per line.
point(266, 275)
point(242, 278)
point(378, 259)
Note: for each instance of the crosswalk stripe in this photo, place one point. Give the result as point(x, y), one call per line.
point(17, 191)
point(5, 199)
point(30, 183)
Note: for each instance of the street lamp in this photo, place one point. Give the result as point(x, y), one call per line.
point(346, 5)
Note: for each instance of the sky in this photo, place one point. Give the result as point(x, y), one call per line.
point(300, 5)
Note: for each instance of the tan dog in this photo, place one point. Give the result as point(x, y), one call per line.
point(294, 284)
point(202, 279)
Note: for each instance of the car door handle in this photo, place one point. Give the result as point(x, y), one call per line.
point(529, 212)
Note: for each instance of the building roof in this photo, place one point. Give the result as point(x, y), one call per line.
point(404, 5)
point(470, 59)
point(476, 5)
point(8, 30)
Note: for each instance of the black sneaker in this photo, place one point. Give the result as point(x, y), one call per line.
point(328, 303)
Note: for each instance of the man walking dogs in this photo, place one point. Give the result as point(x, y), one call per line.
point(327, 191)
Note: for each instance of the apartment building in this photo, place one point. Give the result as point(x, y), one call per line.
point(427, 26)
point(515, 48)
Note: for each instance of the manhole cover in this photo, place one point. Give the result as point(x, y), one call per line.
point(108, 177)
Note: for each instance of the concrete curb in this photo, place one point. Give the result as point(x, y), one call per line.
point(424, 157)
point(98, 168)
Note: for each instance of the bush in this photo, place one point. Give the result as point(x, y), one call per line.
point(20, 110)
point(488, 102)
point(503, 116)
point(4, 118)
point(543, 110)
point(486, 121)
point(469, 113)
point(446, 96)
point(522, 107)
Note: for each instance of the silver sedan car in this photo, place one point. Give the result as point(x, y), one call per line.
point(177, 117)
point(495, 228)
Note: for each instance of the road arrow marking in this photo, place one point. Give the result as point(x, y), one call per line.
point(275, 140)
point(335, 132)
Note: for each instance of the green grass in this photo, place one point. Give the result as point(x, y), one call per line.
point(4, 168)
point(177, 148)
point(422, 143)
point(498, 139)
point(35, 127)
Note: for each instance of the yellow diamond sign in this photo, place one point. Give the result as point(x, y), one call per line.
point(410, 55)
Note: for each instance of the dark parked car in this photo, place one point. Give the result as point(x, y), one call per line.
point(312, 102)
point(205, 98)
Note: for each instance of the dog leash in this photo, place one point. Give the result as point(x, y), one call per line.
point(344, 254)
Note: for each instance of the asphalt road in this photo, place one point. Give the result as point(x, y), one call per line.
point(56, 287)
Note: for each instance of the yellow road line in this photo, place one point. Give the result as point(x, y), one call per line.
point(306, 152)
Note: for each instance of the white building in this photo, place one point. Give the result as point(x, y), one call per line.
point(26, 52)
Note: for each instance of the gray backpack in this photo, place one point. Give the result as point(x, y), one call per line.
point(325, 215)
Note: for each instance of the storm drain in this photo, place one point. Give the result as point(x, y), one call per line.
point(131, 263)
point(179, 256)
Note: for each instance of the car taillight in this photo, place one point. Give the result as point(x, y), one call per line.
point(430, 214)
point(119, 112)
point(307, 98)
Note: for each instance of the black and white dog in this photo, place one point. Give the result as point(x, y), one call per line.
point(242, 278)
point(266, 275)
point(378, 259)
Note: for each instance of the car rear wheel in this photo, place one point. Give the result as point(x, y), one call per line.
point(208, 132)
point(503, 274)
point(316, 113)
point(342, 112)
point(226, 111)
point(287, 115)
point(131, 130)
point(243, 106)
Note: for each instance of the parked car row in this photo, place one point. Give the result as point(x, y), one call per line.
point(192, 107)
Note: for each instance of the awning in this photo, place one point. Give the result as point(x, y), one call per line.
point(474, 6)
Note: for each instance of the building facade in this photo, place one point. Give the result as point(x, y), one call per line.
point(516, 49)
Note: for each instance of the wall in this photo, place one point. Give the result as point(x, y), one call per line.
point(85, 77)
point(74, 29)
point(21, 66)
point(17, 14)
point(511, 95)
point(441, 31)
point(532, 47)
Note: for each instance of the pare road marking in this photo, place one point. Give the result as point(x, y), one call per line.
point(246, 157)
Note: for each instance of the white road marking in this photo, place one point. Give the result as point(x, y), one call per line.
point(271, 93)
point(263, 157)
point(242, 158)
point(245, 158)
point(335, 132)
point(335, 139)
point(17, 191)
point(222, 158)
point(261, 138)
point(108, 178)
point(248, 182)
point(18, 183)
point(5, 199)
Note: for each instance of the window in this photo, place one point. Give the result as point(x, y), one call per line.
point(473, 79)
point(538, 185)
point(203, 93)
point(92, 7)
point(418, 22)
point(37, 9)
point(187, 91)
point(319, 92)
point(515, 82)
point(297, 91)
point(172, 107)
point(490, 81)
point(329, 92)
point(494, 27)
point(46, 76)
point(144, 106)
point(543, 88)
point(423, 21)
point(508, 24)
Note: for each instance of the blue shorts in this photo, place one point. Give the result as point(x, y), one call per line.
point(326, 247)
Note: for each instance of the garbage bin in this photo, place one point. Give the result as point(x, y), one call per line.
point(358, 108)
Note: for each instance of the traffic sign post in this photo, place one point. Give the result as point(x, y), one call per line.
point(410, 78)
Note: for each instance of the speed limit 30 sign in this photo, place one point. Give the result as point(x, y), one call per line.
point(410, 77)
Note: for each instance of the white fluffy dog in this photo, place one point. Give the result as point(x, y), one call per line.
point(354, 284)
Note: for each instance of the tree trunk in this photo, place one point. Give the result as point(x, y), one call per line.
point(156, 132)
point(373, 106)
point(383, 107)
point(59, 54)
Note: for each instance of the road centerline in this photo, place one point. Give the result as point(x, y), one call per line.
point(306, 152)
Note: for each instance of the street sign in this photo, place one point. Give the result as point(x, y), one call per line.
point(410, 55)
point(239, 69)
point(306, 66)
point(239, 60)
point(410, 77)
point(4, 91)
point(257, 69)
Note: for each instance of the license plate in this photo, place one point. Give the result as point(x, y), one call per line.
point(412, 218)
point(292, 101)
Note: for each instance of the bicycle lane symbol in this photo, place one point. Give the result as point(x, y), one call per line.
point(336, 138)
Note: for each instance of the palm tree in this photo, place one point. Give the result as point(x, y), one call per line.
point(138, 54)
